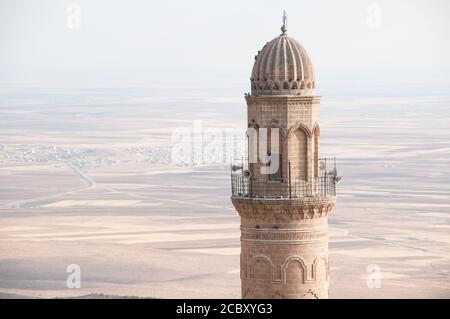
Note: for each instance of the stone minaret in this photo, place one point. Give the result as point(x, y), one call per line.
point(284, 231)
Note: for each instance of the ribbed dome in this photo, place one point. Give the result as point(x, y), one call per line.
point(282, 67)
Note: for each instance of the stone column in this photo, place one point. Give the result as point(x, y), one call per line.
point(284, 248)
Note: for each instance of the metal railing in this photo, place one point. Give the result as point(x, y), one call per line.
point(322, 186)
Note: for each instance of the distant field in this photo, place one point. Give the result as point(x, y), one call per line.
point(87, 179)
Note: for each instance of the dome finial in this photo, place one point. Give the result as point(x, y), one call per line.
point(284, 26)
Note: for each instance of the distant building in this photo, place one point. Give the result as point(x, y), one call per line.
point(284, 231)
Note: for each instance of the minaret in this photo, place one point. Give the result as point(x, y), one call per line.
point(284, 231)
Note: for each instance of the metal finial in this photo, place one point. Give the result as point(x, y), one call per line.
point(284, 26)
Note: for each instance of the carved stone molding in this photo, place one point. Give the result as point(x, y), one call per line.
point(274, 99)
point(267, 210)
point(285, 235)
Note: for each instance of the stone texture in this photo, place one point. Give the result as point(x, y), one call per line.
point(284, 248)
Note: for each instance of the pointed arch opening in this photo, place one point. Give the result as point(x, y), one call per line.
point(298, 154)
point(316, 134)
point(294, 85)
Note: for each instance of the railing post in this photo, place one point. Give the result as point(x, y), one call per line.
point(251, 187)
point(232, 187)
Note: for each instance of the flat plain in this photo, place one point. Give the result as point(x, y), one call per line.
point(87, 178)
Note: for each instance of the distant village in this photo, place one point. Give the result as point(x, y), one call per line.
point(84, 157)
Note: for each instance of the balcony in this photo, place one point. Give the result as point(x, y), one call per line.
point(322, 187)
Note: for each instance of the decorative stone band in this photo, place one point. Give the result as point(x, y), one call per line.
point(284, 235)
point(285, 99)
point(295, 209)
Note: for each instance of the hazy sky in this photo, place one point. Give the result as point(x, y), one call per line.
point(210, 42)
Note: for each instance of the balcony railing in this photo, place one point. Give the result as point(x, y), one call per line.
point(322, 186)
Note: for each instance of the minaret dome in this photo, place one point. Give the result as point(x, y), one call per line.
point(282, 67)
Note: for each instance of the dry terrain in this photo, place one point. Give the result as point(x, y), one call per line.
point(86, 178)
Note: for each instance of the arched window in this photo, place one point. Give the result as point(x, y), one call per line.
point(298, 154)
point(260, 276)
point(295, 271)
